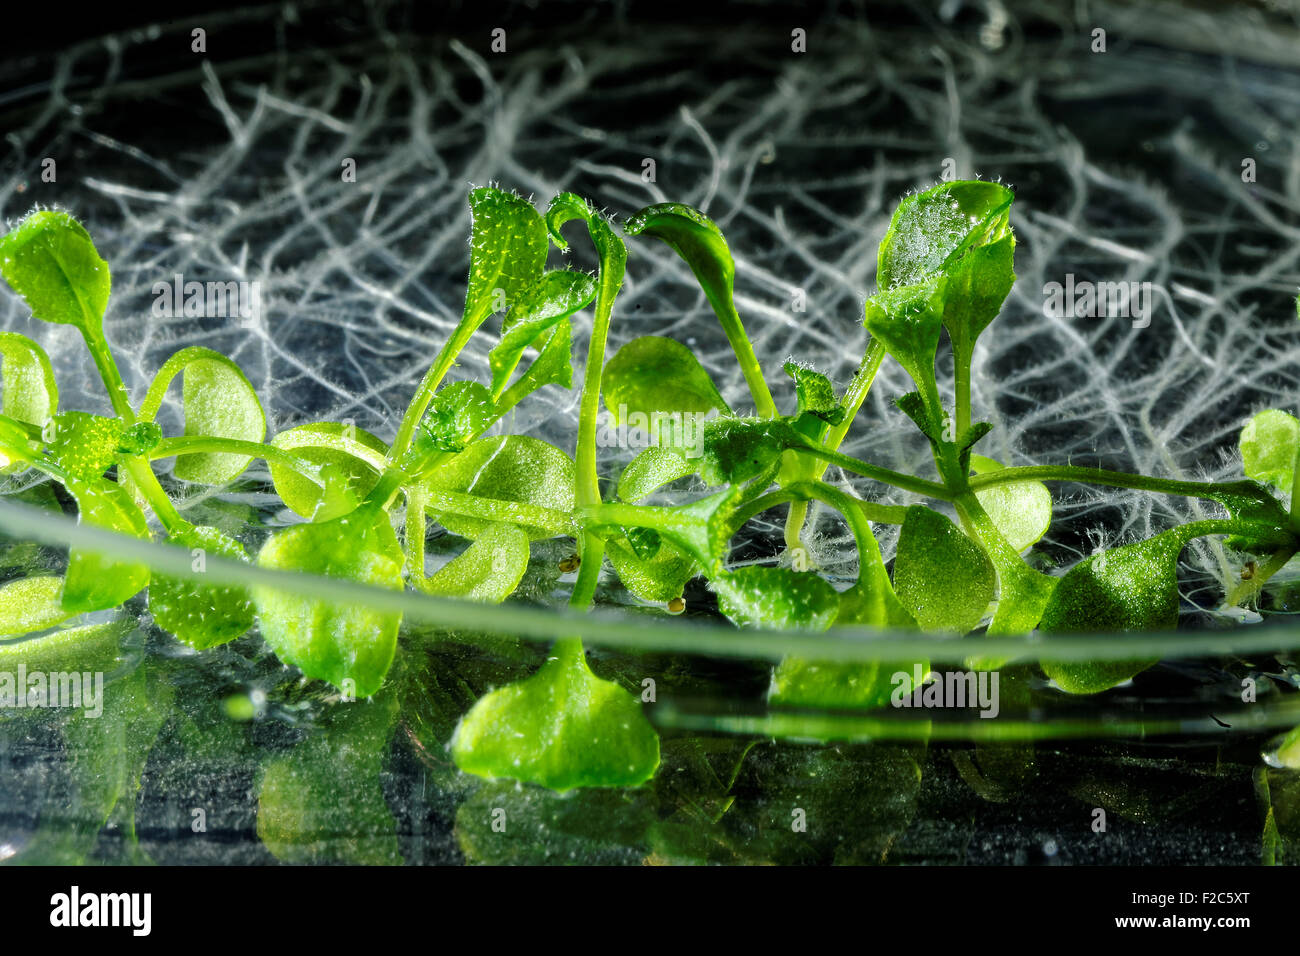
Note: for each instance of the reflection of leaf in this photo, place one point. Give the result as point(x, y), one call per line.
point(561, 728)
point(504, 823)
point(854, 803)
point(323, 802)
point(106, 755)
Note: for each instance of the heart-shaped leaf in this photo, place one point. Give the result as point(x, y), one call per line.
point(1022, 510)
point(202, 616)
point(941, 576)
point(1130, 588)
point(654, 381)
point(561, 728)
point(349, 645)
point(97, 581)
point(1269, 443)
point(50, 260)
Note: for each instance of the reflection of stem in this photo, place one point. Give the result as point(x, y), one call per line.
point(1247, 590)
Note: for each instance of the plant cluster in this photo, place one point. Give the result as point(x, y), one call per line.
point(945, 266)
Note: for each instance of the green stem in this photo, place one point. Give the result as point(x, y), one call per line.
point(414, 532)
point(146, 482)
point(1100, 476)
point(961, 390)
point(852, 401)
point(727, 315)
point(446, 358)
point(857, 466)
point(108, 371)
point(188, 445)
point(881, 514)
point(593, 556)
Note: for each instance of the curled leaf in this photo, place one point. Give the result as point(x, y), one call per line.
point(930, 230)
point(550, 301)
point(355, 458)
point(456, 415)
point(488, 570)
